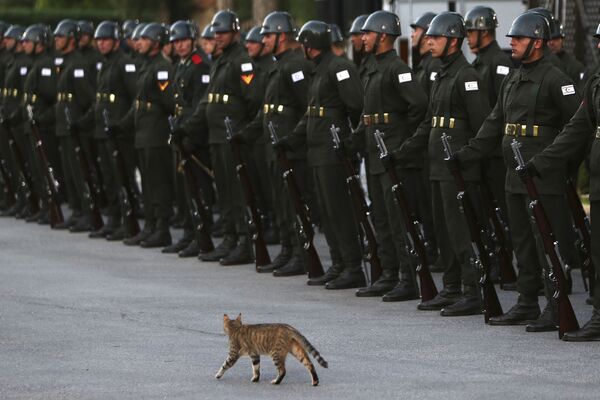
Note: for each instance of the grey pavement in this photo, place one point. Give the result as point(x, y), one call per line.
point(89, 319)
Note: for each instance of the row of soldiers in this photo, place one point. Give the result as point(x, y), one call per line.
point(158, 103)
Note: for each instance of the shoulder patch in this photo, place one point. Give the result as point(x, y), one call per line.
point(129, 67)
point(205, 78)
point(297, 76)
point(342, 75)
point(98, 66)
point(406, 77)
point(433, 76)
point(58, 61)
point(78, 73)
point(567, 90)
point(162, 75)
point(23, 71)
point(196, 59)
point(46, 72)
point(246, 67)
point(471, 86)
point(502, 70)
point(247, 78)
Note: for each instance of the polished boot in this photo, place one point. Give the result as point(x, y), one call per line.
point(160, 237)
point(83, 225)
point(282, 258)
point(69, 222)
point(216, 229)
point(23, 212)
point(44, 219)
point(333, 272)
point(144, 234)
point(547, 321)
point(402, 292)
point(34, 217)
point(348, 279)
point(191, 250)
point(468, 304)
point(590, 332)
point(521, 313)
point(449, 295)
point(295, 266)
point(241, 254)
point(118, 234)
point(110, 226)
point(228, 243)
point(184, 242)
point(387, 282)
point(12, 211)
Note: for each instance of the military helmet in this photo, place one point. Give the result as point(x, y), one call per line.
point(559, 31)
point(225, 21)
point(3, 27)
point(253, 35)
point(38, 33)
point(481, 18)
point(181, 30)
point(67, 28)
point(278, 22)
point(155, 32)
point(382, 22)
point(107, 30)
point(315, 34)
point(447, 24)
point(128, 27)
point(86, 27)
point(336, 33)
point(207, 32)
point(530, 24)
point(14, 32)
point(357, 24)
point(137, 31)
point(423, 21)
point(553, 24)
point(597, 34)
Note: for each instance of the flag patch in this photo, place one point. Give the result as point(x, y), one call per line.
point(342, 75)
point(502, 70)
point(297, 76)
point(407, 77)
point(246, 67)
point(567, 90)
point(471, 86)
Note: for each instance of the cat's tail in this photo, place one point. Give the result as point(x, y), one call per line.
point(310, 349)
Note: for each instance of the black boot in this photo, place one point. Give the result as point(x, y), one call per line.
point(118, 234)
point(520, 314)
point(241, 254)
point(144, 234)
point(69, 222)
point(228, 243)
point(547, 321)
point(191, 250)
point(449, 295)
point(348, 279)
point(83, 225)
point(270, 232)
point(110, 226)
point(333, 272)
point(438, 265)
point(44, 219)
point(590, 332)
point(34, 217)
point(403, 291)
point(468, 304)
point(387, 282)
point(160, 237)
point(216, 230)
point(184, 242)
point(295, 266)
point(282, 258)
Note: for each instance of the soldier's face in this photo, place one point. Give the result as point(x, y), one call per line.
point(519, 46)
point(357, 41)
point(208, 45)
point(105, 46)
point(183, 48)
point(84, 40)
point(472, 41)
point(555, 45)
point(369, 39)
point(224, 39)
point(28, 46)
point(268, 41)
point(437, 44)
point(254, 49)
point(416, 35)
point(10, 43)
point(60, 42)
point(144, 45)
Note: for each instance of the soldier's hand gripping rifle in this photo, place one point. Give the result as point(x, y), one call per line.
point(480, 253)
point(25, 181)
point(9, 193)
point(125, 191)
point(255, 222)
point(89, 191)
point(56, 214)
point(360, 206)
point(198, 208)
point(414, 229)
point(304, 225)
point(583, 228)
point(567, 321)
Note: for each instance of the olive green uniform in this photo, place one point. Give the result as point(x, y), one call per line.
point(573, 68)
point(5, 57)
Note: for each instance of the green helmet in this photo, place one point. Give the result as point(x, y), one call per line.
point(553, 24)
point(86, 27)
point(254, 35)
point(315, 34)
point(14, 32)
point(207, 32)
point(481, 18)
point(155, 32)
point(530, 24)
point(278, 22)
point(336, 33)
point(423, 21)
point(107, 30)
point(38, 33)
point(447, 24)
point(128, 27)
point(225, 21)
point(357, 24)
point(67, 28)
point(181, 30)
point(382, 22)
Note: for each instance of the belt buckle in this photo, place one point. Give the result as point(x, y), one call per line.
point(433, 122)
point(210, 97)
point(510, 129)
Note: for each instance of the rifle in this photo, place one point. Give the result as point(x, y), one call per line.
point(25, 181)
point(360, 207)
point(125, 193)
point(254, 220)
point(199, 210)
point(9, 193)
point(482, 258)
point(583, 229)
point(56, 214)
point(499, 231)
point(567, 321)
point(303, 223)
point(89, 192)
point(414, 228)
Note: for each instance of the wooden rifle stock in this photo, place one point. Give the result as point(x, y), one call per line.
point(255, 222)
point(482, 258)
point(304, 225)
point(360, 207)
point(413, 227)
point(567, 321)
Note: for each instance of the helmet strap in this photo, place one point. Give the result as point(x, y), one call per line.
point(528, 50)
point(478, 42)
point(446, 47)
point(276, 45)
point(376, 45)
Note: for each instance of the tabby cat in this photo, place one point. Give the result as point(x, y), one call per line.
point(274, 340)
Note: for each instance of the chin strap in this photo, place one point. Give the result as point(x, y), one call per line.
point(276, 46)
point(376, 45)
point(528, 50)
point(446, 47)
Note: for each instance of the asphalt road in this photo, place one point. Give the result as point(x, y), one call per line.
point(88, 319)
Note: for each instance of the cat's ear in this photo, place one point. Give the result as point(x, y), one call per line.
point(239, 317)
point(225, 318)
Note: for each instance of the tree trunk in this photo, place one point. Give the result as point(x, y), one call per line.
point(225, 4)
point(260, 9)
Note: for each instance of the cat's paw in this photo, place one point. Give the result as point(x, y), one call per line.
point(255, 378)
point(315, 383)
point(219, 374)
point(275, 382)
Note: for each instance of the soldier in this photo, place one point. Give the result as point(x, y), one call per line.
point(338, 47)
point(535, 101)
point(127, 29)
point(207, 41)
point(575, 137)
point(358, 47)
point(573, 68)
point(335, 97)
point(4, 148)
point(192, 76)
point(554, 27)
point(458, 106)
point(149, 118)
point(395, 103)
point(231, 93)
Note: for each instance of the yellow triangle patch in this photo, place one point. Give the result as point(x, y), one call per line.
point(247, 78)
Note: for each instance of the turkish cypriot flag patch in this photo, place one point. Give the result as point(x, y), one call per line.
point(46, 72)
point(246, 67)
point(78, 73)
point(502, 70)
point(432, 76)
point(342, 75)
point(98, 66)
point(129, 67)
point(471, 86)
point(407, 77)
point(567, 90)
point(297, 76)
point(205, 78)
point(58, 61)
point(23, 71)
